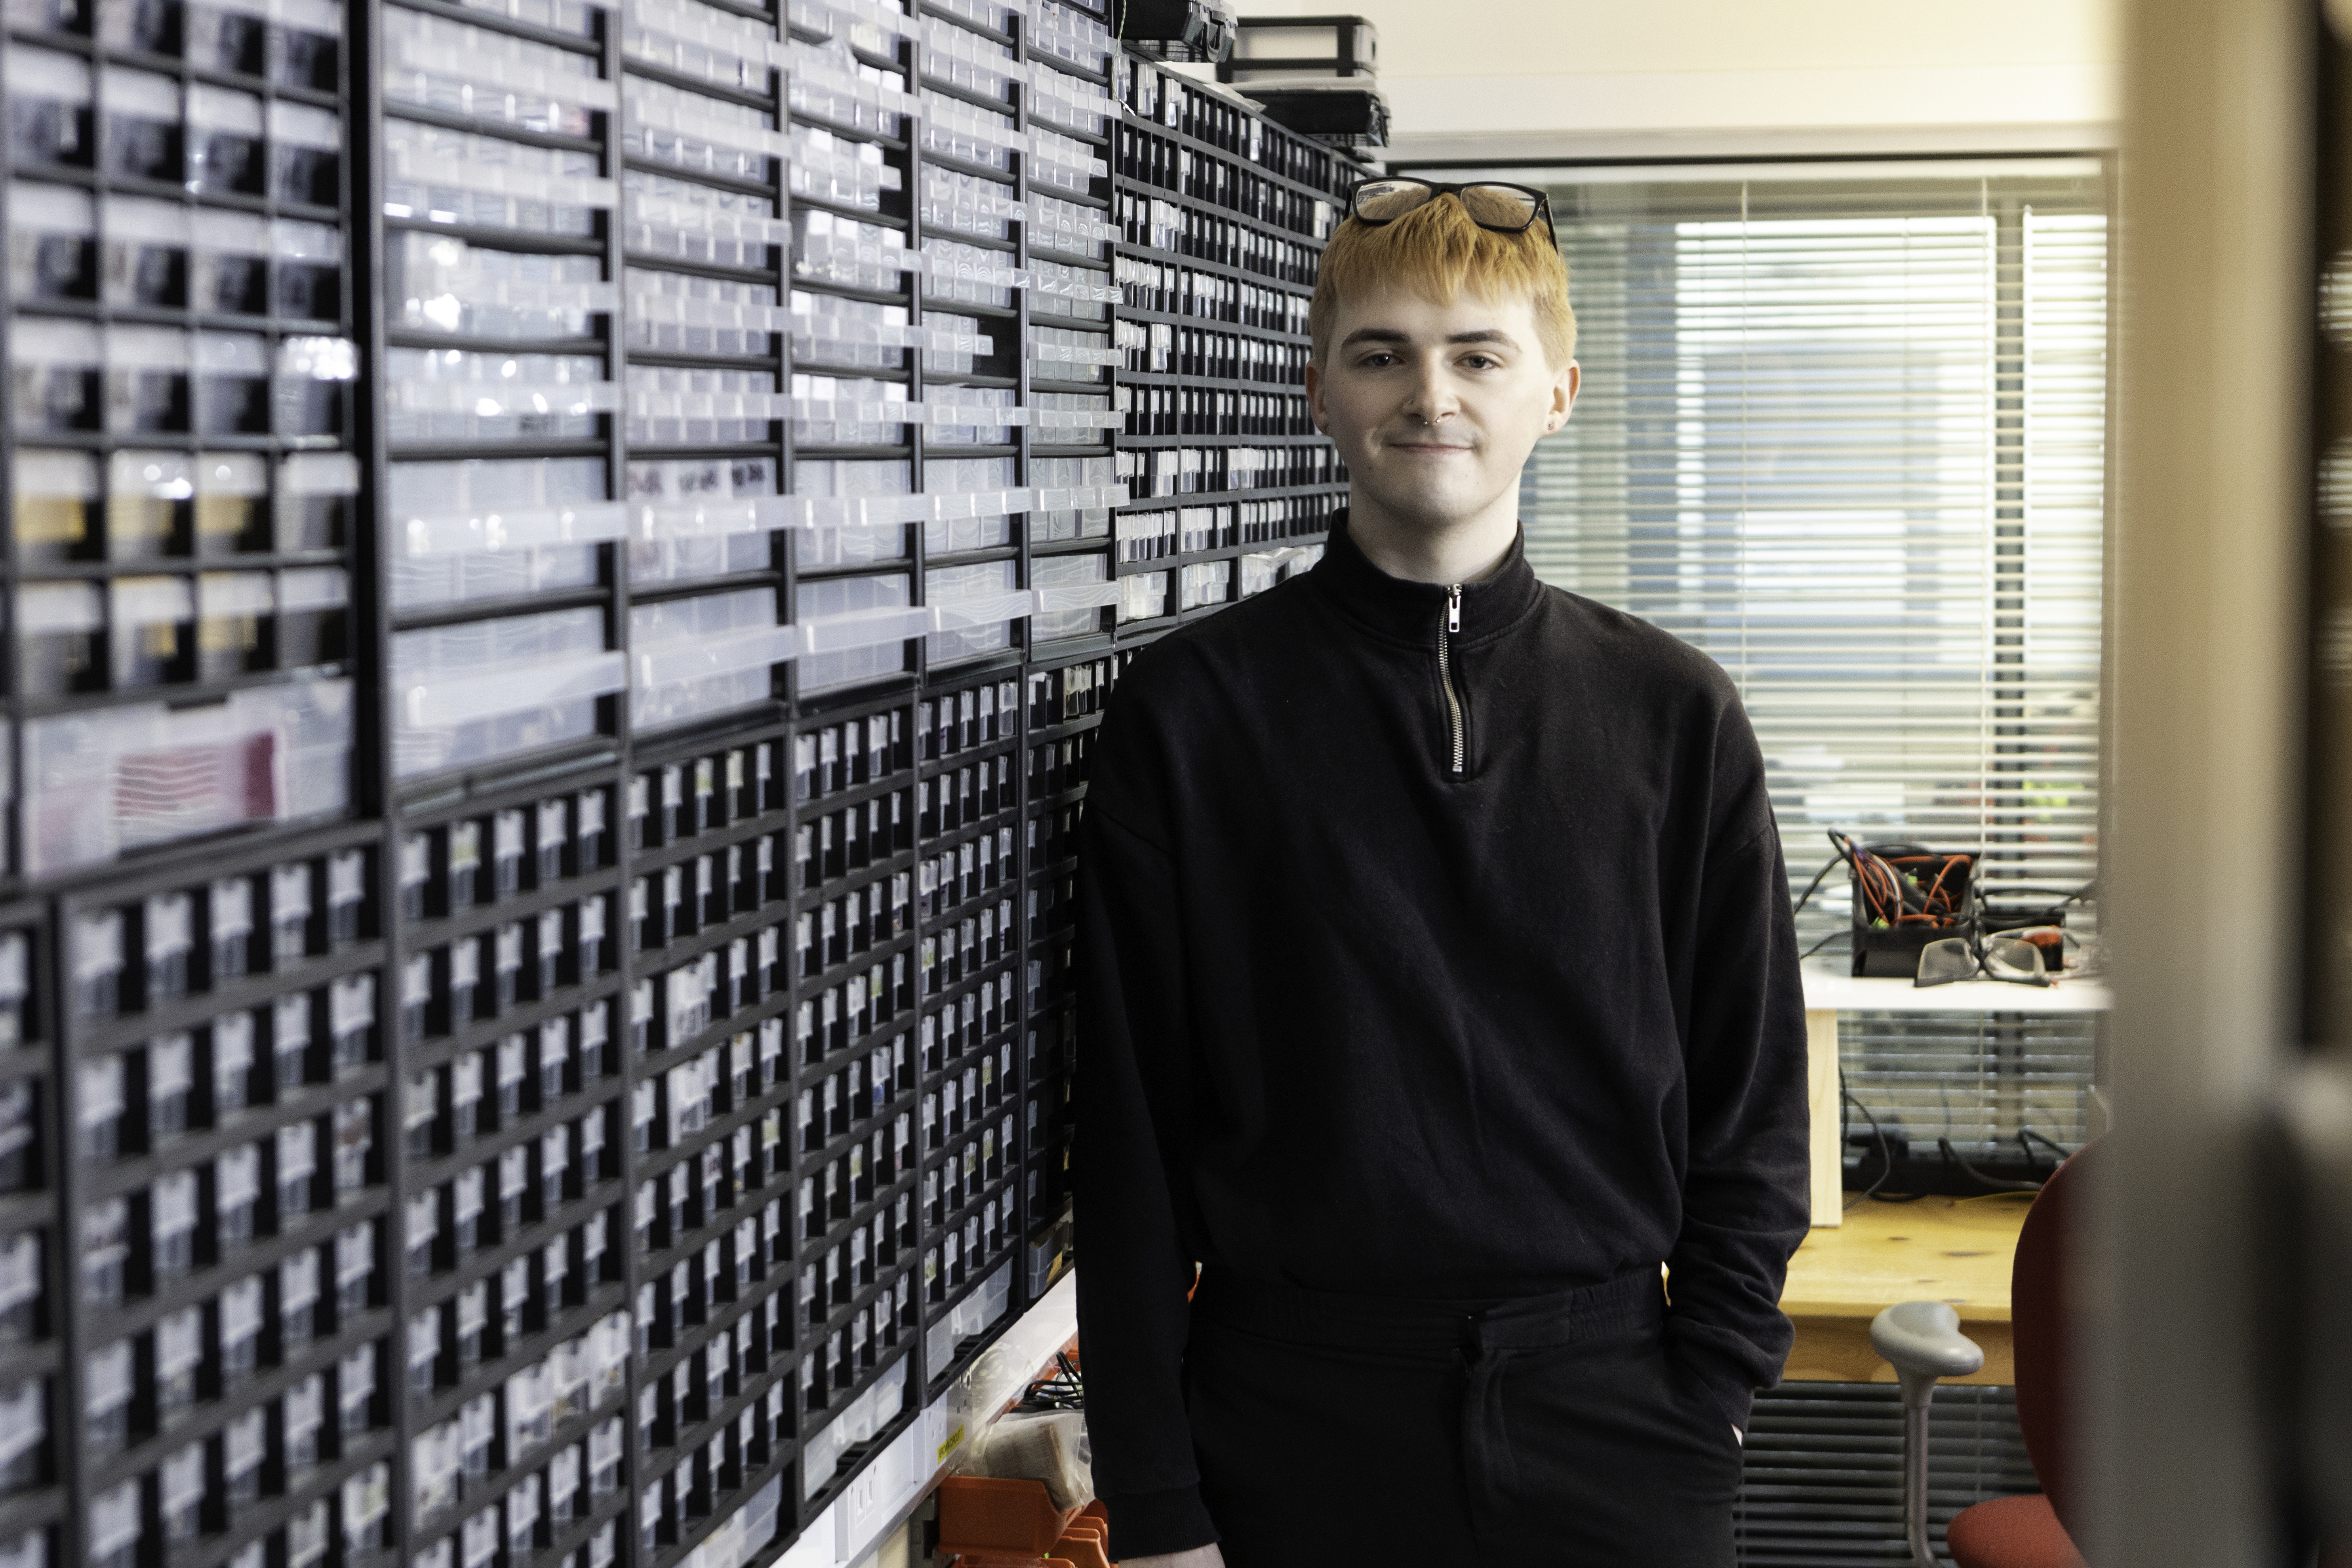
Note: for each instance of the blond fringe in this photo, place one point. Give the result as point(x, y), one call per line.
point(1438, 251)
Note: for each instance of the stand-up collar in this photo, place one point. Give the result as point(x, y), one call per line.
point(1407, 612)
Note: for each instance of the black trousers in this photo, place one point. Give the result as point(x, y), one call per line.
point(1345, 1430)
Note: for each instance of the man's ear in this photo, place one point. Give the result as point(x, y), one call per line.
point(1315, 399)
point(1563, 396)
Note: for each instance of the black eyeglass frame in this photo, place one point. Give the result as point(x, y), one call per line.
point(1437, 188)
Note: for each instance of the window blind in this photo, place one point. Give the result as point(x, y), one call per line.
point(1842, 428)
point(1981, 1079)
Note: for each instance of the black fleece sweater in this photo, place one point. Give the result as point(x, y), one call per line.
point(1357, 1019)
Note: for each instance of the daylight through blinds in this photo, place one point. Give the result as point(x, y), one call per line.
point(1846, 434)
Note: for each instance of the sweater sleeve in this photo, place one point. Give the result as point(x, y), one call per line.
point(1746, 1190)
point(1134, 1271)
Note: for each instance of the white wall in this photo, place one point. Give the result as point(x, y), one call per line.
point(1485, 78)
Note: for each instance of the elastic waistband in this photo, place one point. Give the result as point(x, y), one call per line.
point(1628, 1304)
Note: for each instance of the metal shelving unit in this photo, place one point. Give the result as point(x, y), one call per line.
point(534, 973)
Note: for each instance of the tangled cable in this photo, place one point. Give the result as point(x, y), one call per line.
point(1064, 1388)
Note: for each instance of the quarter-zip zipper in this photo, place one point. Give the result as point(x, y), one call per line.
point(1445, 673)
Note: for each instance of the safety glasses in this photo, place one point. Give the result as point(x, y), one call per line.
point(2033, 956)
point(1505, 209)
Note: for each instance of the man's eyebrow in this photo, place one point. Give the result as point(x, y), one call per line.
point(1397, 335)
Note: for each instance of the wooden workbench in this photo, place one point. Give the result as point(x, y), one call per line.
point(1937, 1249)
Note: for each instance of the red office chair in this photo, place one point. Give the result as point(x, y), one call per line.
point(1923, 1343)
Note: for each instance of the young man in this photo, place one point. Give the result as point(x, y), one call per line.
point(1438, 986)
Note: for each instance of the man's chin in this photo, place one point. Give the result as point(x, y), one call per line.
point(1430, 510)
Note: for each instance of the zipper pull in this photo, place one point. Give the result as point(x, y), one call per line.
point(1453, 609)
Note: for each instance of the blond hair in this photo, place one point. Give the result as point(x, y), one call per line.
point(1438, 250)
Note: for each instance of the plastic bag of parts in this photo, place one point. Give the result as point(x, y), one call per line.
point(1048, 1446)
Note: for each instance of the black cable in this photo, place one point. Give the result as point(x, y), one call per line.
point(1844, 931)
point(1886, 1154)
point(2060, 894)
point(2057, 1148)
point(1993, 1184)
point(1062, 1389)
point(1819, 878)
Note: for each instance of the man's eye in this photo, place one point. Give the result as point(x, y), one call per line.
point(1374, 361)
point(1482, 361)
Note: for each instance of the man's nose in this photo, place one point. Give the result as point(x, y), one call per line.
point(1431, 399)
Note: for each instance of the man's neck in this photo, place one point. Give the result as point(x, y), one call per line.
point(1468, 550)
